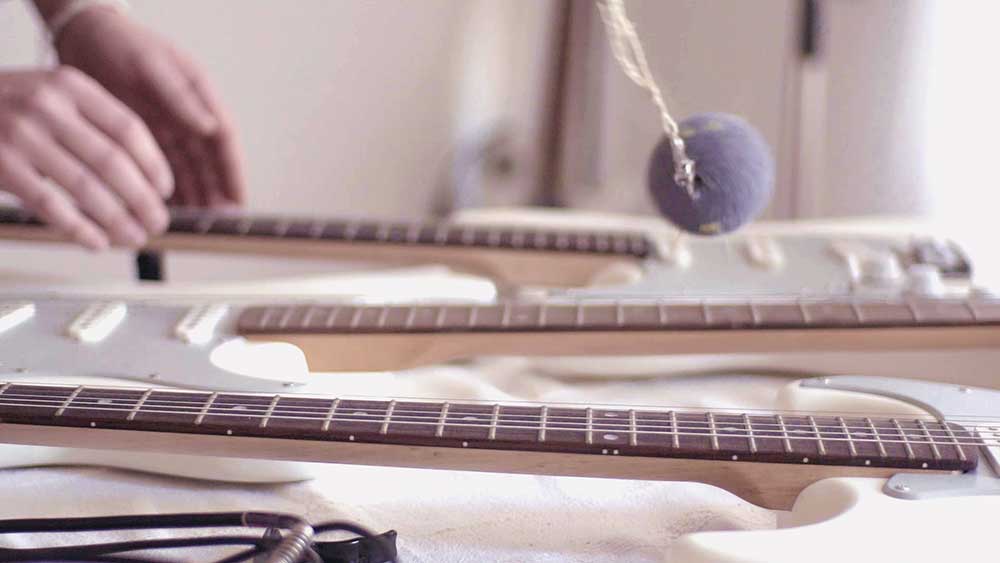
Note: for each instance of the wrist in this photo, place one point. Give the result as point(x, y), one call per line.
point(59, 14)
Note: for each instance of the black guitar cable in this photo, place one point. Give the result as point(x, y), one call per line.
point(287, 539)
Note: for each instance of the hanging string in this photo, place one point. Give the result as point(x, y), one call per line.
point(628, 51)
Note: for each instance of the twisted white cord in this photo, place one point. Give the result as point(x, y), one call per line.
point(628, 52)
point(627, 49)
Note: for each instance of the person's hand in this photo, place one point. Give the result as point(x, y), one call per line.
point(108, 176)
point(170, 93)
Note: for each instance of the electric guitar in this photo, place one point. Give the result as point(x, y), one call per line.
point(575, 261)
point(240, 347)
point(851, 480)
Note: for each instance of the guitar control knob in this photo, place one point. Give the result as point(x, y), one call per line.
point(880, 270)
point(925, 279)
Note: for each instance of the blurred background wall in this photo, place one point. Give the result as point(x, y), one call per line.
point(413, 108)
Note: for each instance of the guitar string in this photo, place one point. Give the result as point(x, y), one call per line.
point(854, 438)
point(198, 402)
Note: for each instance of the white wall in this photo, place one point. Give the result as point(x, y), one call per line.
point(347, 107)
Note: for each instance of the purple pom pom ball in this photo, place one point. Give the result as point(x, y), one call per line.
point(734, 175)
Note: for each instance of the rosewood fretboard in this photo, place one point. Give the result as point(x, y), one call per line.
point(612, 431)
point(205, 223)
point(621, 316)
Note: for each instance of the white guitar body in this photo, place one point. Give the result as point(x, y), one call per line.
point(838, 520)
point(833, 520)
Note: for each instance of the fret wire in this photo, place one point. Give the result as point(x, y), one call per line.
point(750, 438)
point(590, 426)
point(265, 317)
point(382, 232)
point(382, 316)
point(784, 434)
point(661, 310)
point(542, 312)
point(69, 400)
point(934, 449)
point(329, 414)
point(411, 316)
point(493, 422)
point(307, 317)
point(388, 417)
point(439, 317)
point(673, 426)
point(270, 411)
point(285, 317)
point(713, 431)
point(331, 317)
point(821, 449)
point(356, 317)
point(579, 314)
point(4, 388)
point(847, 433)
point(204, 410)
point(906, 439)
point(505, 316)
point(878, 438)
point(142, 400)
point(633, 428)
point(973, 442)
point(541, 429)
point(441, 421)
point(473, 315)
point(954, 438)
point(619, 314)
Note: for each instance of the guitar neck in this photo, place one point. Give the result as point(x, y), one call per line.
point(779, 454)
point(516, 256)
point(356, 338)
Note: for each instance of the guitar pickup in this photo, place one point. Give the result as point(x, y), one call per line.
point(97, 322)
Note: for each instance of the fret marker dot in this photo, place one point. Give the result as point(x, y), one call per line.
point(736, 457)
point(465, 444)
point(924, 465)
point(615, 452)
point(868, 462)
point(351, 437)
point(805, 460)
point(360, 413)
point(103, 401)
point(610, 414)
point(229, 432)
point(605, 452)
point(93, 424)
point(469, 418)
point(611, 437)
